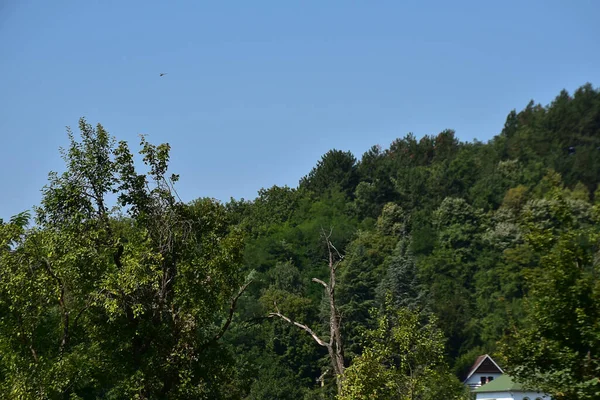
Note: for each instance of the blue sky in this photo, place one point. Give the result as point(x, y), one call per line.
point(257, 91)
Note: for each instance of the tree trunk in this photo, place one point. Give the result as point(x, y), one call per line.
point(334, 345)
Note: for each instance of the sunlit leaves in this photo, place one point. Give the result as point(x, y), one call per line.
point(403, 359)
point(114, 302)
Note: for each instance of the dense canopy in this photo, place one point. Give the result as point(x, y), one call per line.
point(393, 271)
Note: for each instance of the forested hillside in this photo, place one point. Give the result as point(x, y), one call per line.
point(427, 254)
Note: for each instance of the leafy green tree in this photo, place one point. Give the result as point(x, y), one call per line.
point(401, 281)
point(116, 302)
point(555, 347)
point(273, 206)
point(376, 186)
point(403, 359)
point(335, 170)
point(363, 269)
point(449, 271)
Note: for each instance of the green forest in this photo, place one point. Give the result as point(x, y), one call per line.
point(382, 276)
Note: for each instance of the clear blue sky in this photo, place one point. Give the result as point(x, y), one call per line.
point(257, 91)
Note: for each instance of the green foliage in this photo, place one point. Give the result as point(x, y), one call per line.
point(360, 274)
point(403, 359)
point(120, 290)
point(439, 223)
point(401, 281)
point(101, 302)
point(554, 346)
point(335, 170)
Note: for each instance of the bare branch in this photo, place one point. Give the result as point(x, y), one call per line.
point(321, 379)
point(301, 326)
point(320, 282)
point(171, 186)
point(341, 257)
point(335, 347)
point(326, 236)
point(335, 266)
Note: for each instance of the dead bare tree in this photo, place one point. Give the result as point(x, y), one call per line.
point(334, 345)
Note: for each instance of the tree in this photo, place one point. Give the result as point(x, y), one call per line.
point(334, 346)
point(116, 302)
point(375, 187)
point(335, 170)
point(448, 272)
point(401, 281)
point(362, 270)
point(556, 347)
point(403, 359)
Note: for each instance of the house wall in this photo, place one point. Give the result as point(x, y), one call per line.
point(511, 396)
point(475, 380)
point(494, 396)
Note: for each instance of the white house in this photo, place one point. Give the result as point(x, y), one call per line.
point(483, 371)
point(504, 388)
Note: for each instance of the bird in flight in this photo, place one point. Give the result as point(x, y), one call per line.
point(163, 73)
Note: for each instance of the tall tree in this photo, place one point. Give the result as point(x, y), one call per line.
point(335, 170)
point(116, 302)
point(403, 359)
point(556, 347)
point(335, 345)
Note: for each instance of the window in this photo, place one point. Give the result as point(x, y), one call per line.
point(483, 380)
point(490, 378)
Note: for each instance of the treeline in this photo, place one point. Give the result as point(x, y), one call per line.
point(441, 250)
